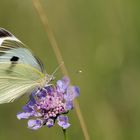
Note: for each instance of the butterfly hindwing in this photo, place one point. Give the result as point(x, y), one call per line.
point(17, 81)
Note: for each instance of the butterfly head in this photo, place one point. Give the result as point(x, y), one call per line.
point(49, 78)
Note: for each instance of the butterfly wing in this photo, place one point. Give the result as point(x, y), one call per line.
point(17, 81)
point(20, 70)
point(11, 47)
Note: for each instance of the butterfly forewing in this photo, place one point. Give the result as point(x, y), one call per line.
point(10, 49)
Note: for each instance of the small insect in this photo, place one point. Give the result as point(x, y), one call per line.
point(20, 71)
point(79, 71)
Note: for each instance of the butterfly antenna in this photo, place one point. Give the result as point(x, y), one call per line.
point(62, 63)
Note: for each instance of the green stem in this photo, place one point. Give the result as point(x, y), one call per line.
point(65, 134)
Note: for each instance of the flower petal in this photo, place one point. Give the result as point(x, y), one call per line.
point(63, 121)
point(50, 123)
point(30, 104)
point(35, 124)
point(68, 105)
point(23, 115)
point(27, 108)
point(42, 93)
point(32, 100)
point(63, 84)
point(49, 89)
point(72, 92)
point(66, 80)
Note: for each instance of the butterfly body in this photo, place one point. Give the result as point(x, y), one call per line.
point(20, 70)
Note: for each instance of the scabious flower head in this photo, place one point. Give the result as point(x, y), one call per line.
point(50, 104)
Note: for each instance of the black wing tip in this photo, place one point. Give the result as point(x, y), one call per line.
point(5, 33)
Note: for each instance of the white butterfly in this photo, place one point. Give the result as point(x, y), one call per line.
point(20, 70)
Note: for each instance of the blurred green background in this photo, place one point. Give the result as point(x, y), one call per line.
point(99, 37)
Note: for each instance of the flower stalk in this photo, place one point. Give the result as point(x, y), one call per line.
point(65, 134)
